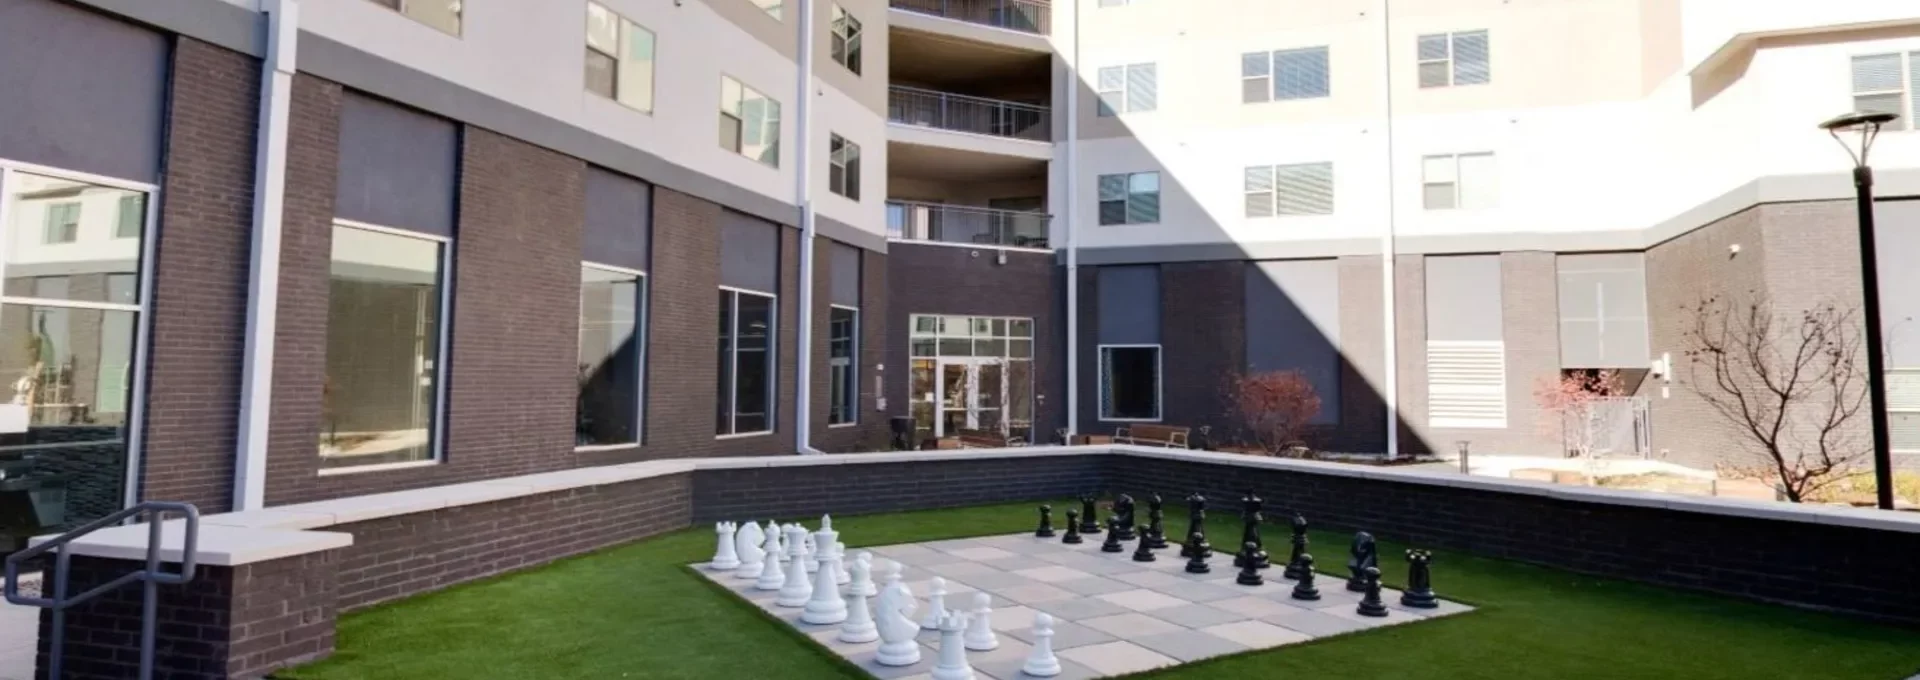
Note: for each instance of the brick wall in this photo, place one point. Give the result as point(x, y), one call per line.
point(1680, 273)
point(200, 277)
point(745, 493)
point(1202, 342)
point(1363, 353)
point(869, 432)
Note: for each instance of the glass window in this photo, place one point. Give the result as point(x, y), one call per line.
point(1284, 74)
point(1132, 198)
point(619, 58)
point(132, 216)
point(1130, 382)
point(773, 8)
point(1448, 59)
point(843, 167)
point(1299, 189)
point(749, 122)
point(842, 361)
point(63, 223)
point(66, 227)
point(746, 363)
point(443, 15)
point(608, 405)
point(1885, 83)
point(383, 349)
point(1130, 89)
point(1451, 181)
point(846, 39)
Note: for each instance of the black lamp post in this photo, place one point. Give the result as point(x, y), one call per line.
point(1868, 124)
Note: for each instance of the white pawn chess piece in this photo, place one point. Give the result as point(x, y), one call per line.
point(840, 574)
point(980, 637)
point(780, 531)
point(952, 663)
point(936, 604)
point(825, 606)
point(812, 549)
point(747, 543)
point(725, 557)
point(771, 577)
point(898, 632)
point(861, 574)
point(859, 626)
point(893, 576)
point(798, 589)
point(1041, 663)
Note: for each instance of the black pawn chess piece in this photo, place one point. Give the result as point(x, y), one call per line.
point(1419, 593)
point(1294, 568)
point(1073, 528)
point(1196, 562)
point(1196, 518)
point(1123, 517)
point(1143, 552)
point(1370, 602)
point(1046, 522)
point(1112, 544)
point(1303, 588)
point(1364, 556)
point(1156, 532)
point(1089, 515)
point(1249, 574)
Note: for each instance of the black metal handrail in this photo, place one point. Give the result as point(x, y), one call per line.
point(1029, 16)
point(152, 576)
point(912, 221)
point(979, 115)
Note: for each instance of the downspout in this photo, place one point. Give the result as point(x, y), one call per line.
point(1387, 275)
point(803, 197)
point(1069, 213)
point(263, 287)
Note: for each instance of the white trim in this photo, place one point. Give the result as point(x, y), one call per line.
point(1159, 380)
point(1070, 213)
point(773, 367)
point(853, 365)
point(377, 467)
point(744, 435)
point(640, 330)
point(1389, 266)
point(80, 304)
point(803, 197)
point(985, 246)
point(592, 448)
point(78, 176)
point(748, 291)
point(393, 231)
point(263, 283)
point(613, 268)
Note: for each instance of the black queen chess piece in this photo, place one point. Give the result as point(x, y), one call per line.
point(1294, 568)
point(1249, 573)
point(1089, 515)
point(1112, 544)
point(1196, 521)
point(1123, 517)
point(1156, 532)
point(1046, 523)
point(1364, 556)
point(1419, 593)
point(1303, 588)
point(1370, 604)
point(1072, 536)
point(1143, 551)
point(1196, 561)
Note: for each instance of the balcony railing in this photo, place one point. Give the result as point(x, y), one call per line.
point(914, 106)
point(965, 224)
point(1018, 15)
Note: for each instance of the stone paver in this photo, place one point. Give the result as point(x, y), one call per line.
point(1190, 645)
point(1118, 658)
point(1130, 626)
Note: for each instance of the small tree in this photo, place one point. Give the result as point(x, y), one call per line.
point(1570, 409)
point(1792, 386)
point(1274, 407)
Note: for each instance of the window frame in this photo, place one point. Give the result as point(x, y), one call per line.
point(1271, 90)
point(740, 118)
point(848, 163)
point(1127, 199)
point(401, 7)
point(142, 307)
point(1458, 185)
point(621, 40)
point(1125, 91)
point(1273, 193)
point(1908, 92)
point(1452, 58)
point(1159, 382)
point(640, 356)
point(852, 405)
point(773, 365)
point(844, 39)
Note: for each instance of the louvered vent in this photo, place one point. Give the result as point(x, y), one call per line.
point(1467, 384)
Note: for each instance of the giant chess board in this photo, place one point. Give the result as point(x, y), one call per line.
point(1112, 615)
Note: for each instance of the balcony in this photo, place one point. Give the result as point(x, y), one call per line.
point(968, 225)
point(961, 113)
point(1026, 16)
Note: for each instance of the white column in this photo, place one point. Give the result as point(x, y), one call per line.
point(803, 197)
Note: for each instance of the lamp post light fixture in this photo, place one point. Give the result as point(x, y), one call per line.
point(1868, 125)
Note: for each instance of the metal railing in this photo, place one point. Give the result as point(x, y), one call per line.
point(53, 588)
point(965, 224)
point(979, 115)
point(1030, 16)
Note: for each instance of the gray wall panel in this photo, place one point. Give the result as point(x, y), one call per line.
point(846, 274)
point(749, 252)
point(1293, 323)
point(81, 91)
point(1129, 300)
point(398, 167)
point(1897, 245)
point(1463, 298)
point(1603, 310)
point(619, 228)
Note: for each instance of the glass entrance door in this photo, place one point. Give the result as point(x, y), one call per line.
point(971, 392)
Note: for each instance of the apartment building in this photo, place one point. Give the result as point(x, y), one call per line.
point(261, 252)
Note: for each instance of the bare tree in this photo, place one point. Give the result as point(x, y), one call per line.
point(1793, 386)
point(1571, 409)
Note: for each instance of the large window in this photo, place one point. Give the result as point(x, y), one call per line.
point(843, 167)
point(1130, 382)
point(749, 122)
point(1449, 59)
point(440, 14)
point(1299, 189)
point(1459, 181)
point(612, 353)
point(745, 404)
point(846, 39)
point(619, 58)
point(971, 373)
point(1128, 89)
point(843, 345)
point(1130, 198)
point(1284, 74)
point(386, 299)
point(1884, 83)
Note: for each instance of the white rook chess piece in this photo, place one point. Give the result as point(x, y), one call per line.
point(859, 626)
point(1041, 663)
point(898, 646)
point(725, 557)
point(861, 574)
point(825, 606)
point(936, 604)
point(797, 590)
point(952, 664)
point(980, 637)
point(752, 558)
point(840, 574)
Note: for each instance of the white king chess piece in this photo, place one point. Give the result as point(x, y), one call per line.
point(859, 626)
point(771, 577)
point(898, 646)
point(952, 663)
point(980, 637)
point(861, 575)
point(1041, 663)
point(936, 604)
point(821, 545)
point(747, 542)
point(825, 606)
point(725, 555)
point(798, 589)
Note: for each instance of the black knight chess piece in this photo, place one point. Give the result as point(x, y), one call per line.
point(1419, 593)
point(1073, 528)
point(1196, 562)
point(1294, 567)
point(1123, 516)
point(1089, 515)
point(1112, 544)
point(1143, 552)
point(1249, 574)
point(1364, 556)
point(1046, 522)
point(1370, 602)
point(1303, 588)
point(1196, 521)
point(1156, 533)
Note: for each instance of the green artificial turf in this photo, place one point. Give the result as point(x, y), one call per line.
point(637, 612)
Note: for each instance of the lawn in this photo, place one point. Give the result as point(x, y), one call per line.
point(637, 612)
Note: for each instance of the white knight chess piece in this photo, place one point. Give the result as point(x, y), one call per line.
point(898, 646)
point(725, 555)
point(747, 544)
point(952, 663)
point(1041, 663)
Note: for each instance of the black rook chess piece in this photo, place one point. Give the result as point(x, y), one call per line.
point(1294, 567)
point(1156, 532)
point(1123, 516)
point(1144, 551)
point(1046, 522)
point(1112, 544)
point(1364, 556)
point(1196, 518)
point(1073, 528)
point(1196, 562)
point(1089, 515)
point(1303, 589)
point(1419, 593)
point(1249, 574)
point(1370, 602)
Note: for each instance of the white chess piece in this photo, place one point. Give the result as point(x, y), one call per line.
point(825, 606)
point(725, 557)
point(780, 531)
point(812, 549)
point(898, 646)
point(797, 590)
point(840, 574)
point(859, 626)
point(822, 545)
point(861, 574)
point(980, 637)
point(936, 604)
point(746, 543)
point(952, 664)
point(1041, 663)
point(771, 577)
point(893, 576)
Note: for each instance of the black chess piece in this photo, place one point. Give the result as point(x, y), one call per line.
point(1196, 518)
point(1370, 602)
point(1089, 515)
point(1112, 544)
point(1156, 532)
point(1303, 588)
point(1143, 552)
point(1250, 513)
point(1046, 522)
point(1123, 516)
point(1196, 562)
point(1294, 567)
point(1419, 593)
point(1249, 574)
point(1364, 555)
point(1073, 528)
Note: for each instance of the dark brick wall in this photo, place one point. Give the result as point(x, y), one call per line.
point(200, 277)
point(766, 492)
point(869, 431)
point(1680, 273)
point(1202, 343)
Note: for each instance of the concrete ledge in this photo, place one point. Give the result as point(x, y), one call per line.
point(220, 545)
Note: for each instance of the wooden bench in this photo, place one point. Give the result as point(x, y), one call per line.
point(1170, 436)
point(986, 439)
